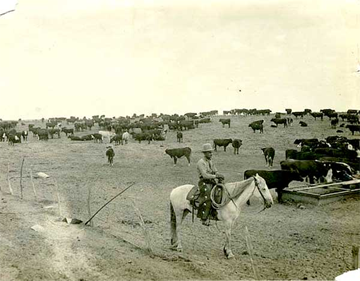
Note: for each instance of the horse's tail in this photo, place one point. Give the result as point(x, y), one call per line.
point(172, 223)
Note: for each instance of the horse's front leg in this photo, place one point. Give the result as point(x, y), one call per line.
point(227, 247)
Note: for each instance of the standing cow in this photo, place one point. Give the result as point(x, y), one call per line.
point(110, 154)
point(179, 136)
point(269, 154)
point(236, 143)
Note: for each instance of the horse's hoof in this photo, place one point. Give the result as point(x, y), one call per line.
point(230, 256)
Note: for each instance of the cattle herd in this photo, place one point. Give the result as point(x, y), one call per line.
point(334, 158)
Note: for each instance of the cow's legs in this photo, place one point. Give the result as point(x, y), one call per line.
point(175, 160)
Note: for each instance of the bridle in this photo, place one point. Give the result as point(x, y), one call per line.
point(262, 195)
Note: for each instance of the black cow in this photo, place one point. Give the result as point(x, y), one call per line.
point(269, 154)
point(236, 143)
point(67, 131)
point(110, 154)
point(221, 142)
point(312, 169)
point(43, 134)
point(179, 136)
point(176, 153)
point(353, 128)
point(225, 121)
point(303, 124)
point(298, 113)
point(334, 122)
point(75, 138)
point(278, 179)
point(317, 115)
point(278, 121)
point(308, 142)
point(117, 139)
point(97, 137)
point(52, 132)
point(333, 152)
point(257, 125)
point(288, 110)
point(143, 136)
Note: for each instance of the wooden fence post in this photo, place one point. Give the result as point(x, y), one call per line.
point(33, 185)
point(356, 256)
point(21, 171)
point(8, 178)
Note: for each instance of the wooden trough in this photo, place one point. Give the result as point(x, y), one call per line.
point(323, 193)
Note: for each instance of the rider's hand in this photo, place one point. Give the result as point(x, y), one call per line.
point(220, 176)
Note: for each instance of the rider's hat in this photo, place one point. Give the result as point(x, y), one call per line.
point(206, 147)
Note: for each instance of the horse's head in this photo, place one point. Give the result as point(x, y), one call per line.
point(263, 191)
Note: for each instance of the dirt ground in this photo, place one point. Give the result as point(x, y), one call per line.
point(289, 241)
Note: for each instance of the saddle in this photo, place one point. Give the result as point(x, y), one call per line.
point(195, 199)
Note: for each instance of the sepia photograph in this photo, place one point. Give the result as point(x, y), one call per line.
point(179, 140)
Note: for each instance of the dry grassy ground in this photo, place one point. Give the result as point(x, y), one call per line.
point(289, 242)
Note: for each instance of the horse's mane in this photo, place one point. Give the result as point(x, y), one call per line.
point(235, 189)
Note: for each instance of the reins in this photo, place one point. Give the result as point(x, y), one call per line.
point(262, 195)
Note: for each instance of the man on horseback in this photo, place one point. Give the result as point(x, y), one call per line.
point(209, 177)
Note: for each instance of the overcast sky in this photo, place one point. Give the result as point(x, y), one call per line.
point(88, 57)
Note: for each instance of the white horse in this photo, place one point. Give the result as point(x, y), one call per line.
point(239, 193)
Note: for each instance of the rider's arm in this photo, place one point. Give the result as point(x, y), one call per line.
point(201, 166)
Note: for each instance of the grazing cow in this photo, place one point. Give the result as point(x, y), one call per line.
point(110, 154)
point(43, 134)
point(24, 135)
point(236, 143)
point(97, 137)
point(353, 128)
point(278, 121)
point(278, 179)
point(221, 142)
point(67, 131)
point(257, 125)
point(52, 132)
point(176, 153)
point(225, 121)
point(179, 137)
point(126, 137)
point(303, 124)
point(317, 115)
point(311, 169)
point(117, 139)
point(269, 154)
point(144, 136)
point(298, 113)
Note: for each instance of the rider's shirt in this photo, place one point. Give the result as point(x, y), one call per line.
point(206, 169)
